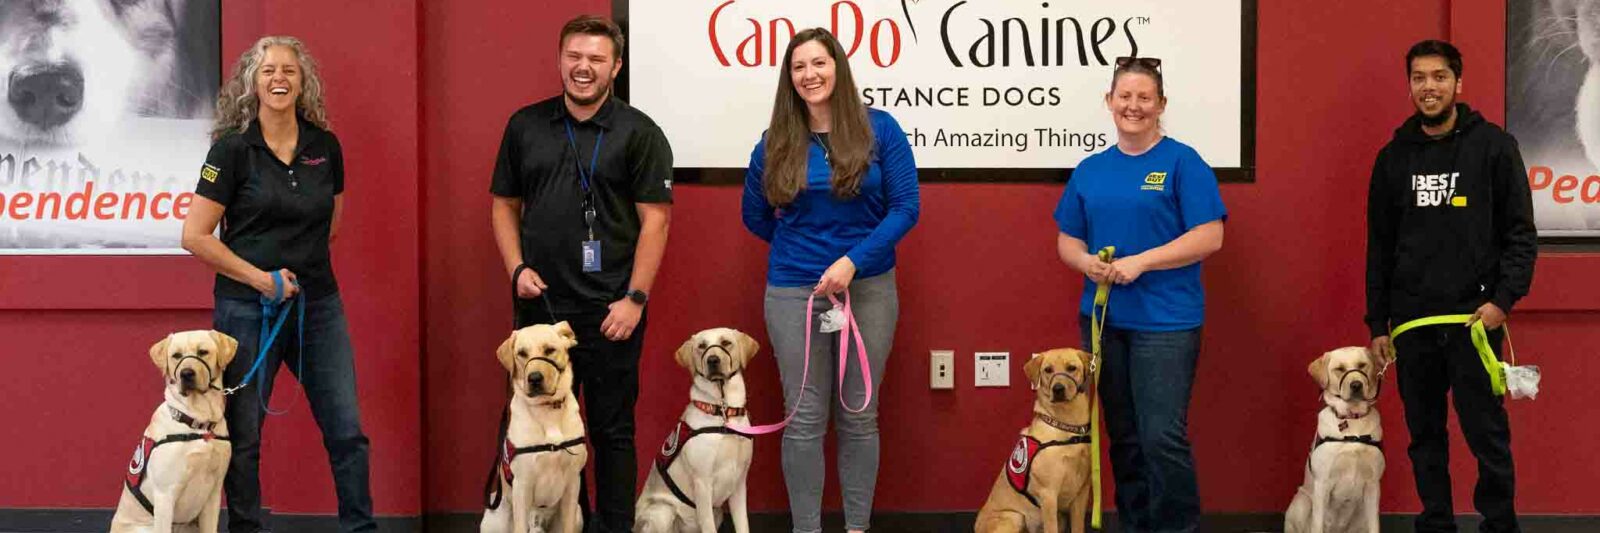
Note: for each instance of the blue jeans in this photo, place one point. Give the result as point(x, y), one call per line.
point(1145, 381)
point(329, 379)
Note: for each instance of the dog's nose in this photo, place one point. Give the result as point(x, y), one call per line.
point(1356, 386)
point(47, 97)
point(713, 363)
point(1059, 389)
point(187, 375)
point(536, 382)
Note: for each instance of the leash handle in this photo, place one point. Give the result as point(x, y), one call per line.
point(1097, 325)
point(544, 296)
point(270, 333)
point(851, 329)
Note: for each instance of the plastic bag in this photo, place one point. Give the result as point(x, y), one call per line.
point(1522, 381)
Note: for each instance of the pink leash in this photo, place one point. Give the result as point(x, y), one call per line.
point(850, 329)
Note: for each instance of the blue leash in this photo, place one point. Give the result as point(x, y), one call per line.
point(269, 333)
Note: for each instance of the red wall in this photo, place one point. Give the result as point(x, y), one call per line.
point(978, 273)
point(75, 331)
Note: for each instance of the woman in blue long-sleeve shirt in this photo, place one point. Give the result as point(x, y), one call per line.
point(832, 186)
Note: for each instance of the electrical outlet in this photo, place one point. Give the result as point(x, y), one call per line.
point(942, 373)
point(992, 369)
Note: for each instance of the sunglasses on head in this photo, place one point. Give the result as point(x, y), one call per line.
point(1152, 63)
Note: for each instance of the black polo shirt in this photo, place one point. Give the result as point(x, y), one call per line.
point(276, 215)
point(537, 163)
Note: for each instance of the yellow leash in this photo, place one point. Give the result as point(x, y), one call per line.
point(1480, 340)
point(1097, 324)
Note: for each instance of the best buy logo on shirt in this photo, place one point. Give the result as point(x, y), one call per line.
point(209, 173)
point(1155, 181)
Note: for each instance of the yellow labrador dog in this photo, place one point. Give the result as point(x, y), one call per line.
point(1047, 477)
point(536, 478)
point(1340, 492)
point(174, 481)
point(703, 462)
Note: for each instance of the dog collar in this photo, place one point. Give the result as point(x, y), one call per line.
point(187, 420)
point(1079, 429)
point(718, 410)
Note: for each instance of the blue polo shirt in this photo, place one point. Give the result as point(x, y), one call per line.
point(1137, 203)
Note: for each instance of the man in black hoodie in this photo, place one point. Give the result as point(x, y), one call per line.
point(1449, 232)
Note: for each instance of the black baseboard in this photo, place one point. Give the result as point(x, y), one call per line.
point(98, 520)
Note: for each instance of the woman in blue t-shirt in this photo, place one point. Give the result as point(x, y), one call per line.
point(833, 187)
point(1156, 201)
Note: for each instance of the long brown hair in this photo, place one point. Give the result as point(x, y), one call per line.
point(789, 134)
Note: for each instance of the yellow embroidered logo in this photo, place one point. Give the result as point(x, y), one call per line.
point(1155, 181)
point(209, 173)
point(1459, 201)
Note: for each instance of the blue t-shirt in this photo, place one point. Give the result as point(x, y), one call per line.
point(814, 231)
point(1137, 203)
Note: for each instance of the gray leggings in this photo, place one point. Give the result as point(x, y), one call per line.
point(877, 307)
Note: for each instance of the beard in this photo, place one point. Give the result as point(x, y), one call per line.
point(602, 90)
point(1433, 121)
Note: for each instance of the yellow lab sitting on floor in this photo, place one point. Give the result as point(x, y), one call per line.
point(536, 476)
point(174, 481)
point(703, 462)
point(1046, 479)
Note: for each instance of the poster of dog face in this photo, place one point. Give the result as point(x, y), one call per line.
point(105, 108)
point(1553, 109)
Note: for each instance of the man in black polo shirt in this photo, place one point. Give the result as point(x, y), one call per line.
point(582, 198)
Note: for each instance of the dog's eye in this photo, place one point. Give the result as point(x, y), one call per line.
point(522, 354)
point(548, 350)
point(1362, 366)
point(176, 355)
point(1071, 368)
point(1049, 370)
point(702, 345)
point(204, 353)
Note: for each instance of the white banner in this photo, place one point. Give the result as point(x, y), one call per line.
point(104, 123)
point(975, 83)
point(1553, 109)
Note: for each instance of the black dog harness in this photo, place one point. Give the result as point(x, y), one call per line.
point(682, 434)
point(509, 451)
point(138, 467)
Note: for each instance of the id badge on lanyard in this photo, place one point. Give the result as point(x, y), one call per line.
point(591, 246)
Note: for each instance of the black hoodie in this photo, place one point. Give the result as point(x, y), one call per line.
point(1449, 223)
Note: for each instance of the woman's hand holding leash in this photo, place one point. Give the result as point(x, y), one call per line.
point(837, 277)
point(265, 285)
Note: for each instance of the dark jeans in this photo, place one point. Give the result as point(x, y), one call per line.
point(329, 379)
point(1433, 361)
point(606, 376)
point(1145, 381)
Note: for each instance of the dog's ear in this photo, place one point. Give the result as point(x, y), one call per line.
point(1032, 368)
point(227, 346)
point(506, 350)
point(747, 348)
point(1319, 371)
point(565, 331)
point(685, 354)
point(158, 354)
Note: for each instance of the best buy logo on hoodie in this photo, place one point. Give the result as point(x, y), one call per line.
point(1435, 190)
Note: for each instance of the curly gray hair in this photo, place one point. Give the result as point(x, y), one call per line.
point(238, 103)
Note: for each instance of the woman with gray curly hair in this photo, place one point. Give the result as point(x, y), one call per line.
point(274, 180)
